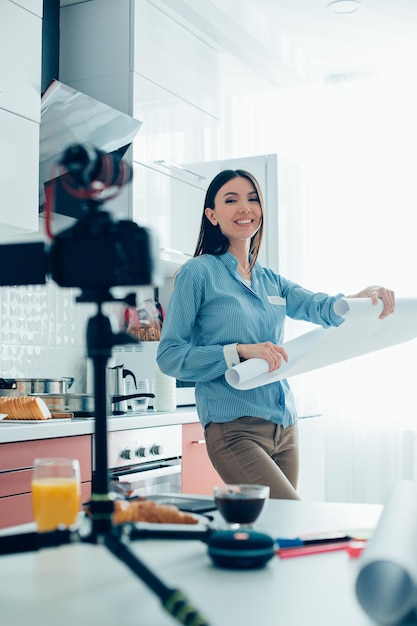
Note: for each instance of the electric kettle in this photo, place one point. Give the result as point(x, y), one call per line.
point(116, 385)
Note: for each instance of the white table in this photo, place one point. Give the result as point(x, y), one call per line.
point(83, 584)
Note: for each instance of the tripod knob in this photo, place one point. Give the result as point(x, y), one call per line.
point(127, 454)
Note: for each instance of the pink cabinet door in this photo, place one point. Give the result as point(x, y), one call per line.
point(16, 462)
point(198, 474)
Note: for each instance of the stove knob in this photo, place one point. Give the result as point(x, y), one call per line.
point(142, 452)
point(157, 449)
point(127, 454)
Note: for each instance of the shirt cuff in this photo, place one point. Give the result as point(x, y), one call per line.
point(231, 354)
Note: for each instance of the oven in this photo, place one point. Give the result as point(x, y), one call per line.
point(145, 461)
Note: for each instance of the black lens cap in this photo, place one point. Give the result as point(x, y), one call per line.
point(240, 549)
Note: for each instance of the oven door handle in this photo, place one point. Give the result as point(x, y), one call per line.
point(157, 472)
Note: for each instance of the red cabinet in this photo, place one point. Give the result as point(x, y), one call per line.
point(16, 463)
point(198, 474)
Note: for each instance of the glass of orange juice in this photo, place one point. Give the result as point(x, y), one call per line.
point(56, 491)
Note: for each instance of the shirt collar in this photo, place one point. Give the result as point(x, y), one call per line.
point(230, 261)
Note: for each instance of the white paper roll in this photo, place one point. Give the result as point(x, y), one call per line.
point(361, 332)
point(386, 586)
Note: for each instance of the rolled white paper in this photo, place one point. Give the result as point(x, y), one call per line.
point(386, 586)
point(361, 332)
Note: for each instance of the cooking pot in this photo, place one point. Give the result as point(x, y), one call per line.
point(82, 404)
point(29, 386)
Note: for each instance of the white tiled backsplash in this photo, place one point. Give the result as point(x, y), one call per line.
point(42, 333)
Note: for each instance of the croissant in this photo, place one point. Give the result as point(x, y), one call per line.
point(148, 511)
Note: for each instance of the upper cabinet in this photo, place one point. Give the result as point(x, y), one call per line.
point(170, 55)
point(20, 86)
point(133, 55)
point(34, 6)
point(19, 179)
point(20, 75)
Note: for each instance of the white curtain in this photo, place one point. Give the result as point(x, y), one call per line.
point(348, 203)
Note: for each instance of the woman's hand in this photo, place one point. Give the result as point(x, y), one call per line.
point(269, 351)
point(376, 292)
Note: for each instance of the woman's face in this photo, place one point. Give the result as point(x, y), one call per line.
point(237, 209)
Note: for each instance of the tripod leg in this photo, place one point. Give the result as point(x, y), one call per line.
point(173, 600)
point(100, 340)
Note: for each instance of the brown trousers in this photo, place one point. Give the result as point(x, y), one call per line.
point(253, 451)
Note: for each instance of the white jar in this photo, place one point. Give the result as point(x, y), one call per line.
point(165, 392)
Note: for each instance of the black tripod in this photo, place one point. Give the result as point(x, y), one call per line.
point(100, 341)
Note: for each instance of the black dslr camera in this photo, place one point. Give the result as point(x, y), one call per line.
point(97, 252)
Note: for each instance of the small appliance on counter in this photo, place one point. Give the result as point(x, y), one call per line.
point(140, 358)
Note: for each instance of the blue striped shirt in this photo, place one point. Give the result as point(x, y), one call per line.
point(212, 307)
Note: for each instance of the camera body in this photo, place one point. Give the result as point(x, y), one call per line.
point(99, 253)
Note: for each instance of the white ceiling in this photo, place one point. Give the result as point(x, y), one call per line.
point(317, 44)
point(300, 41)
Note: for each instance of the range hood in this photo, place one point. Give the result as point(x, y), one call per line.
point(71, 117)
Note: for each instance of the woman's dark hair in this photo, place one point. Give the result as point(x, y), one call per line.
point(211, 240)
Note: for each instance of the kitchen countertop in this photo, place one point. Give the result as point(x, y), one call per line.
point(48, 429)
point(85, 584)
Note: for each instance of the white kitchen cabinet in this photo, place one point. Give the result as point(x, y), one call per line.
point(171, 55)
point(19, 177)
point(119, 42)
point(158, 71)
point(21, 54)
point(170, 205)
point(176, 94)
point(174, 130)
point(34, 6)
point(95, 40)
point(20, 86)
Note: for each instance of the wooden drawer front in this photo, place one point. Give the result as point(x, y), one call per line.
point(21, 455)
point(16, 510)
point(16, 482)
point(16, 460)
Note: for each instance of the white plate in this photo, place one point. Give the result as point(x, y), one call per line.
point(202, 524)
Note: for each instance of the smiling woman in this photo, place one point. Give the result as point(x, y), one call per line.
point(226, 307)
